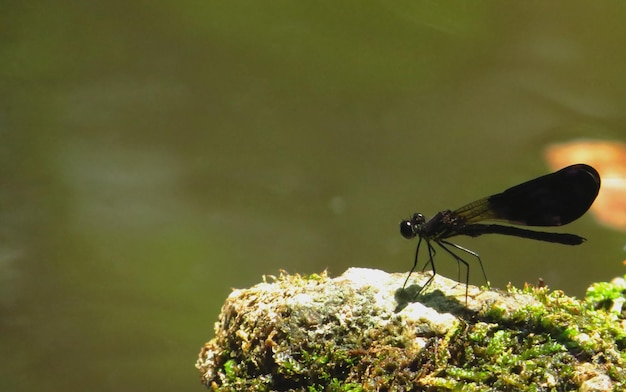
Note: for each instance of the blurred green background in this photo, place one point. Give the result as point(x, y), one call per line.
point(156, 154)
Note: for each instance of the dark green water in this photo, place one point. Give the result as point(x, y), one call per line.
point(155, 155)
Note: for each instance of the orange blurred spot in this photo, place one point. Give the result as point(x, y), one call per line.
point(609, 159)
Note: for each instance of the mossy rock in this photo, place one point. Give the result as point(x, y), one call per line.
point(363, 332)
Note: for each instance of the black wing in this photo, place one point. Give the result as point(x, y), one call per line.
point(551, 200)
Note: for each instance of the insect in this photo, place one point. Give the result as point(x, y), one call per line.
point(551, 200)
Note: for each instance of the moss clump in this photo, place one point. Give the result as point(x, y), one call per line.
point(349, 334)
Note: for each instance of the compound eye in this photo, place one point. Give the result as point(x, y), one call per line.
point(418, 219)
point(407, 229)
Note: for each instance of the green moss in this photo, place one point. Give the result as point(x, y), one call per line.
point(316, 277)
point(609, 296)
point(334, 338)
point(230, 369)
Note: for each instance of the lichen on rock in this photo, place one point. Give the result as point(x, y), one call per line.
point(362, 332)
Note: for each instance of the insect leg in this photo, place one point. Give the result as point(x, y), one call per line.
point(459, 260)
point(431, 254)
point(471, 252)
point(417, 251)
